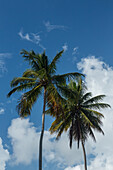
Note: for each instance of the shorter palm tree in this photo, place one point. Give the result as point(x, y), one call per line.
point(80, 115)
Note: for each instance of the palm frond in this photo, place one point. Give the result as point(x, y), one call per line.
point(97, 106)
point(45, 61)
point(69, 76)
point(91, 134)
point(54, 101)
point(52, 65)
point(94, 99)
point(86, 97)
point(71, 136)
point(27, 101)
point(21, 88)
point(94, 112)
point(86, 118)
point(21, 80)
point(67, 92)
point(57, 79)
point(30, 73)
point(31, 57)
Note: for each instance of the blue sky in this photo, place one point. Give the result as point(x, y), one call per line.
point(84, 29)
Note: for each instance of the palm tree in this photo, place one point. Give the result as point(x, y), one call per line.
point(80, 115)
point(39, 78)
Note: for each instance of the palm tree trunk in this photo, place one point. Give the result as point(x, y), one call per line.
point(42, 132)
point(85, 161)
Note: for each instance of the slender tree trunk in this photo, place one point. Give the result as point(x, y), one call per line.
point(85, 161)
point(42, 132)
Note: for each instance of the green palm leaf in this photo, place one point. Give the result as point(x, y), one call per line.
point(94, 99)
point(21, 88)
point(97, 106)
point(52, 65)
point(21, 80)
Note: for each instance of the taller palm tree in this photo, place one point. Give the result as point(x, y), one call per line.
point(41, 77)
point(80, 115)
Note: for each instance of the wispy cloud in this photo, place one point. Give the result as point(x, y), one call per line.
point(75, 49)
point(5, 55)
point(65, 47)
point(36, 38)
point(2, 111)
point(3, 68)
point(51, 27)
point(32, 37)
point(25, 37)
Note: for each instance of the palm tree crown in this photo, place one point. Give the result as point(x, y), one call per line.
point(41, 75)
point(80, 115)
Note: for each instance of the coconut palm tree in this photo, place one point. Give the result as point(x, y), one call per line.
point(41, 77)
point(80, 116)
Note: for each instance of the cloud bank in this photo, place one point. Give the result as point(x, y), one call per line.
point(25, 141)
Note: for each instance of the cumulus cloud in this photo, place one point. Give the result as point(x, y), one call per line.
point(24, 140)
point(4, 156)
point(99, 76)
point(59, 152)
point(51, 27)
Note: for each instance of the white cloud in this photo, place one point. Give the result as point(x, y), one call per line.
point(2, 67)
point(24, 140)
point(5, 55)
point(26, 36)
point(4, 156)
point(2, 111)
point(74, 168)
point(32, 37)
point(99, 76)
point(36, 38)
point(59, 151)
point(75, 49)
point(2, 62)
point(51, 27)
point(65, 47)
